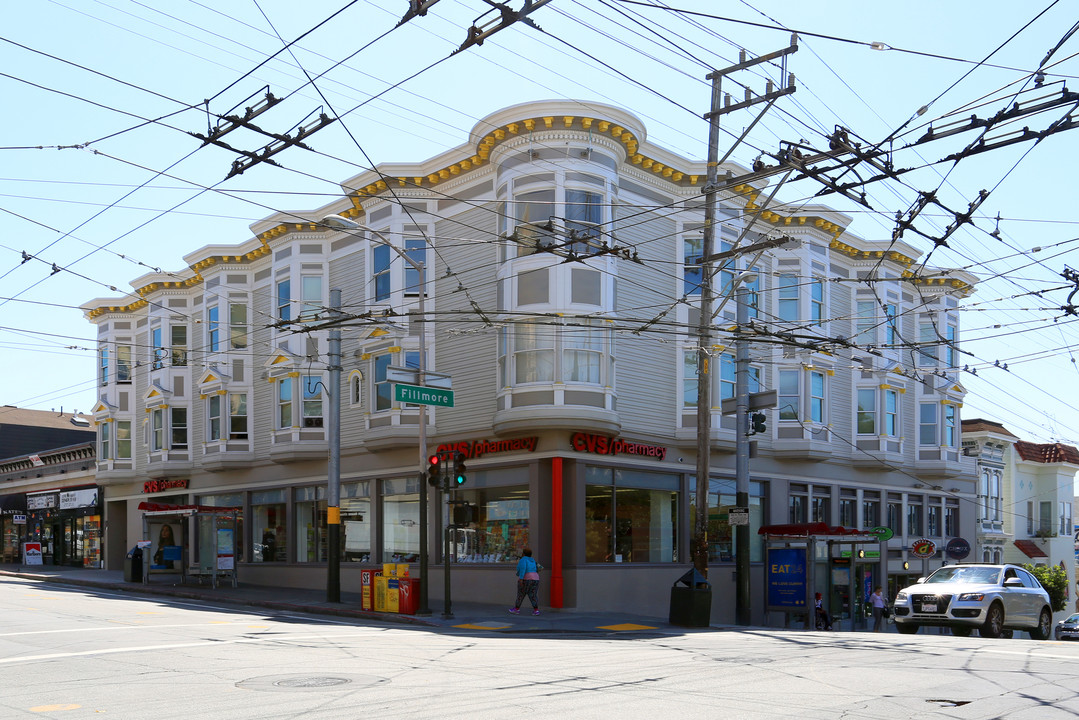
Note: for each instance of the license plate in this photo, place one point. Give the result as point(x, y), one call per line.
point(929, 607)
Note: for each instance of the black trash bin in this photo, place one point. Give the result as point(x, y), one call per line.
point(691, 600)
point(133, 565)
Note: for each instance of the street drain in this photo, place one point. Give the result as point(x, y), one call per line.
point(950, 703)
point(308, 683)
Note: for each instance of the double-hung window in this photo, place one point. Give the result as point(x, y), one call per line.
point(106, 441)
point(380, 271)
point(213, 329)
point(311, 296)
point(157, 430)
point(867, 411)
point(927, 344)
point(157, 349)
point(816, 301)
point(213, 417)
point(284, 300)
point(584, 215)
point(816, 396)
point(284, 403)
point(948, 435)
point(237, 416)
point(865, 323)
point(383, 388)
point(927, 424)
point(415, 250)
point(692, 248)
point(582, 353)
point(237, 326)
point(123, 439)
point(891, 413)
point(178, 428)
point(889, 325)
point(123, 363)
point(179, 345)
point(312, 401)
point(689, 378)
point(789, 394)
point(533, 352)
point(104, 366)
point(951, 351)
point(787, 298)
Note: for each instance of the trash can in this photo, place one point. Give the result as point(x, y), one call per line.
point(691, 600)
point(133, 565)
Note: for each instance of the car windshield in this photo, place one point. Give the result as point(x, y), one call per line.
point(1073, 619)
point(965, 575)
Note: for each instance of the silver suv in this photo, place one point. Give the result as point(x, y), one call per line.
point(990, 598)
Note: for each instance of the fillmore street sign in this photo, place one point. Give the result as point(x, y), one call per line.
point(420, 395)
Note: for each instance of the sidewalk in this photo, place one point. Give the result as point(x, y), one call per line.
point(466, 616)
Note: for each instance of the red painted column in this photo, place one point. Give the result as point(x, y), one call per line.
point(556, 532)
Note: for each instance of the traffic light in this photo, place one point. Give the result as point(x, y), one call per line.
point(757, 423)
point(463, 514)
point(434, 470)
point(459, 468)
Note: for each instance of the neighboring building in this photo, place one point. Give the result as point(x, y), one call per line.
point(47, 486)
point(1025, 498)
point(562, 297)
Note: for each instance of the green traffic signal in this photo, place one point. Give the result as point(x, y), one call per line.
point(459, 468)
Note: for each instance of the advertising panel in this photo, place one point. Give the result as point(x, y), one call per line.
point(786, 578)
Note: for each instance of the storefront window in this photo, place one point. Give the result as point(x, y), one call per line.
point(310, 513)
point(722, 496)
point(400, 520)
point(268, 530)
point(493, 525)
point(356, 521)
point(630, 516)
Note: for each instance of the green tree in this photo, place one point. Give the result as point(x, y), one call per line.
point(1055, 581)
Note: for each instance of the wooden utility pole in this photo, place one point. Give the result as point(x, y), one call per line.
point(700, 544)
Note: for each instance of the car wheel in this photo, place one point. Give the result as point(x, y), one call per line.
point(906, 628)
point(962, 631)
point(1045, 621)
point(994, 622)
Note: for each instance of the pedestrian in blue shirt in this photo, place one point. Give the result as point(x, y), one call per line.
point(527, 582)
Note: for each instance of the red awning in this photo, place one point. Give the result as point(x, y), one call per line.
point(186, 509)
point(1030, 548)
point(808, 529)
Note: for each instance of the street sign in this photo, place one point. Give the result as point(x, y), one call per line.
point(757, 401)
point(419, 395)
point(738, 515)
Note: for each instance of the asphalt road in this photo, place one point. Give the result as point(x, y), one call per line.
point(81, 653)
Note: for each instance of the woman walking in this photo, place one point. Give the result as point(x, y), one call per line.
point(527, 582)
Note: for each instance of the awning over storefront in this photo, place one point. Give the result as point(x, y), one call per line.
point(1030, 548)
point(13, 503)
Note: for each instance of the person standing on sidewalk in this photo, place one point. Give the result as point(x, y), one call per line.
point(527, 582)
point(877, 601)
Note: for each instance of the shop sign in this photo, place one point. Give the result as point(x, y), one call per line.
point(18, 519)
point(31, 553)
point(884, 534)
point(476, 448)
point(41, 502)
point(153, 486)
point(923, 548)
point(603, 445)
point(957, 548)
point(36, 461)
point(71, 499)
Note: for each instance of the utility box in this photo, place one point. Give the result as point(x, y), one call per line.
point(691, 601)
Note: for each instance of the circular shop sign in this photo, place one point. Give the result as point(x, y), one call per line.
point(923, 548)
point(883, 534)
point(957, 548)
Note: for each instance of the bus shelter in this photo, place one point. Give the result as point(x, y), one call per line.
point(798, 554)
point(167, 531)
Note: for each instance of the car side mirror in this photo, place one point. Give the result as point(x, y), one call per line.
point(1013, 582)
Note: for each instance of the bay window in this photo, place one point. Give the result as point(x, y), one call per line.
point(380, 271)
point(123, 439)
point(213, 417)
point(284, 403)
point(311, 297)
point(178, 348)
point(237, 326)
point(237, 416)
point(312, 401)
point(157, 430)
point(213, 329)
point(178, 427)
point(123, 363)
point(284, 300)
point(787, 298)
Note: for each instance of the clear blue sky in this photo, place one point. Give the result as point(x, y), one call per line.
point(134, 198)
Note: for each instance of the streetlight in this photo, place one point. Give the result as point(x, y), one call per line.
point(342, 223)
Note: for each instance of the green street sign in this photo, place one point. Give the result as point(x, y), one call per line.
point(883, 533)
point(419, 395)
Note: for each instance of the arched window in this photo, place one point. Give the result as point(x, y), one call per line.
point(355, 388)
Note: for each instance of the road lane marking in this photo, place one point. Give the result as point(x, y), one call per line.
point(105, 629)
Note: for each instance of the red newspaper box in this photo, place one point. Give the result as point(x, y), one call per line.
point(409, 595)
